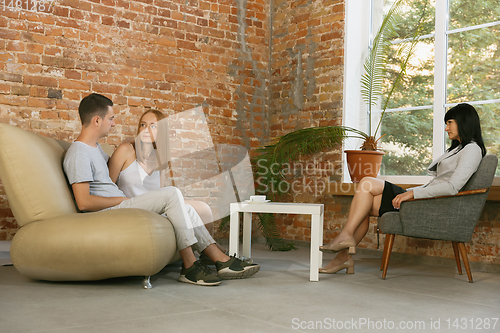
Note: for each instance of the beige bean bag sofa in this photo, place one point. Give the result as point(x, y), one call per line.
point(57, 243)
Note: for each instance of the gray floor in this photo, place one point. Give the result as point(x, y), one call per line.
point(279, 298)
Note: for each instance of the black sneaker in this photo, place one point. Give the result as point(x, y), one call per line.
point(209, 262)
point(235, 268)
point(205, 260)
point(199, 274)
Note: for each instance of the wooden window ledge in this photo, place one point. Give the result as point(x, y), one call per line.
point(350, 188)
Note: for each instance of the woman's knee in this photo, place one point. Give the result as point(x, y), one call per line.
point(372, 185)
point(365, 185)
point(203, 210)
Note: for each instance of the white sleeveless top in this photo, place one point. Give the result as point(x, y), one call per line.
point(134, 181)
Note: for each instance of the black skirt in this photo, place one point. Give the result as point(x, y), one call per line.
point(390, 192)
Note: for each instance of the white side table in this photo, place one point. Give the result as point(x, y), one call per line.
point(315, 210)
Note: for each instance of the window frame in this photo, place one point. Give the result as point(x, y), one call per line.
point(359, 23)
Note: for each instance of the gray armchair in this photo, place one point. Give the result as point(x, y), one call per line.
point(450, 218)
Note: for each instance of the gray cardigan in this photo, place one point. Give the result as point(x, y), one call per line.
point(450, 172)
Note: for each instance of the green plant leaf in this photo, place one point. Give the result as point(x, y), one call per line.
point(267, 225)
point(271, 159)
point(377, 61)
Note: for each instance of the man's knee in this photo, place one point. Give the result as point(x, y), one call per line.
point(171, 191)
point(170, 194)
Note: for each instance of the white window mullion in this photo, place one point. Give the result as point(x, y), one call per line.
point(356, 43)
point(474, 27)
point(440, 73)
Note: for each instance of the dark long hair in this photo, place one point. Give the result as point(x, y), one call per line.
point(469, 126)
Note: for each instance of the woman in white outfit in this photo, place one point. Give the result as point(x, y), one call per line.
point(133, 167)
point(136, 175)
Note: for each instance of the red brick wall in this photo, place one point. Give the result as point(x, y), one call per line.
point(307, 64)
point(307, 50)
point(173, 55)
point(169, 55)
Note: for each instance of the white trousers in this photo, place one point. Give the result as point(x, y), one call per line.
point(169, 202)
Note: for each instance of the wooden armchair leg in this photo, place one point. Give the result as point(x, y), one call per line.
point(465, 260)
point(389, 241)
point(457, 256)
point(386, 244)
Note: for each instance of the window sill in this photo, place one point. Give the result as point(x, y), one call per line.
point(350, 188)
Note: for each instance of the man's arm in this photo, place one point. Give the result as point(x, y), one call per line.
point(91, 203)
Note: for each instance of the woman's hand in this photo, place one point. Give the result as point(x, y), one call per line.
point(396, 202)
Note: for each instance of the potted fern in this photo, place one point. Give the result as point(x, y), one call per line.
point(271, 159)
point(367, 161)
point(312, 140)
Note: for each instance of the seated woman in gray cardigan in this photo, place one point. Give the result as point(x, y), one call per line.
point(375, 197)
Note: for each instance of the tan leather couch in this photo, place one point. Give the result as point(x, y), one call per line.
point(57, 243)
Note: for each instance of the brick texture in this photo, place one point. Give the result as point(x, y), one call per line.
point(259, 70)
point(169, 55)
point(306, 90)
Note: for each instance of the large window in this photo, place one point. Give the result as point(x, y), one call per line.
point(457, 60)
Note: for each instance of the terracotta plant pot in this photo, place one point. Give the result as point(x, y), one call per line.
point(363, 163)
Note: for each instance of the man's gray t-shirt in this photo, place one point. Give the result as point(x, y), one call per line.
point(84, 163)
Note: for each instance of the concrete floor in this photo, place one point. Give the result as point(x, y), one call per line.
point(280, 298)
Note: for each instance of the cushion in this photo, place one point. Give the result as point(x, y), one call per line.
point(389, 223)
point(94, 246)
point(32, 175)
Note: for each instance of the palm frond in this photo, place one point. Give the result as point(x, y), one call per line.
point(267, 225)
point(376, 62)
point(271, 159)
point(306, 141)
point(405, 52)
point(224, 223)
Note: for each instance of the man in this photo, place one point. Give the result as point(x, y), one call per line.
point(85, 165)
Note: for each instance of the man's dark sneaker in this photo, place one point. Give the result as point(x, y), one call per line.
point(205, 260)
point(235, 268)
point(209, 262)
point(199, 274)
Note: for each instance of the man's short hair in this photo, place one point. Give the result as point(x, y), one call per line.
point(93, 105)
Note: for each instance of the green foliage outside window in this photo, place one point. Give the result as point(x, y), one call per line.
point(473, 75)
